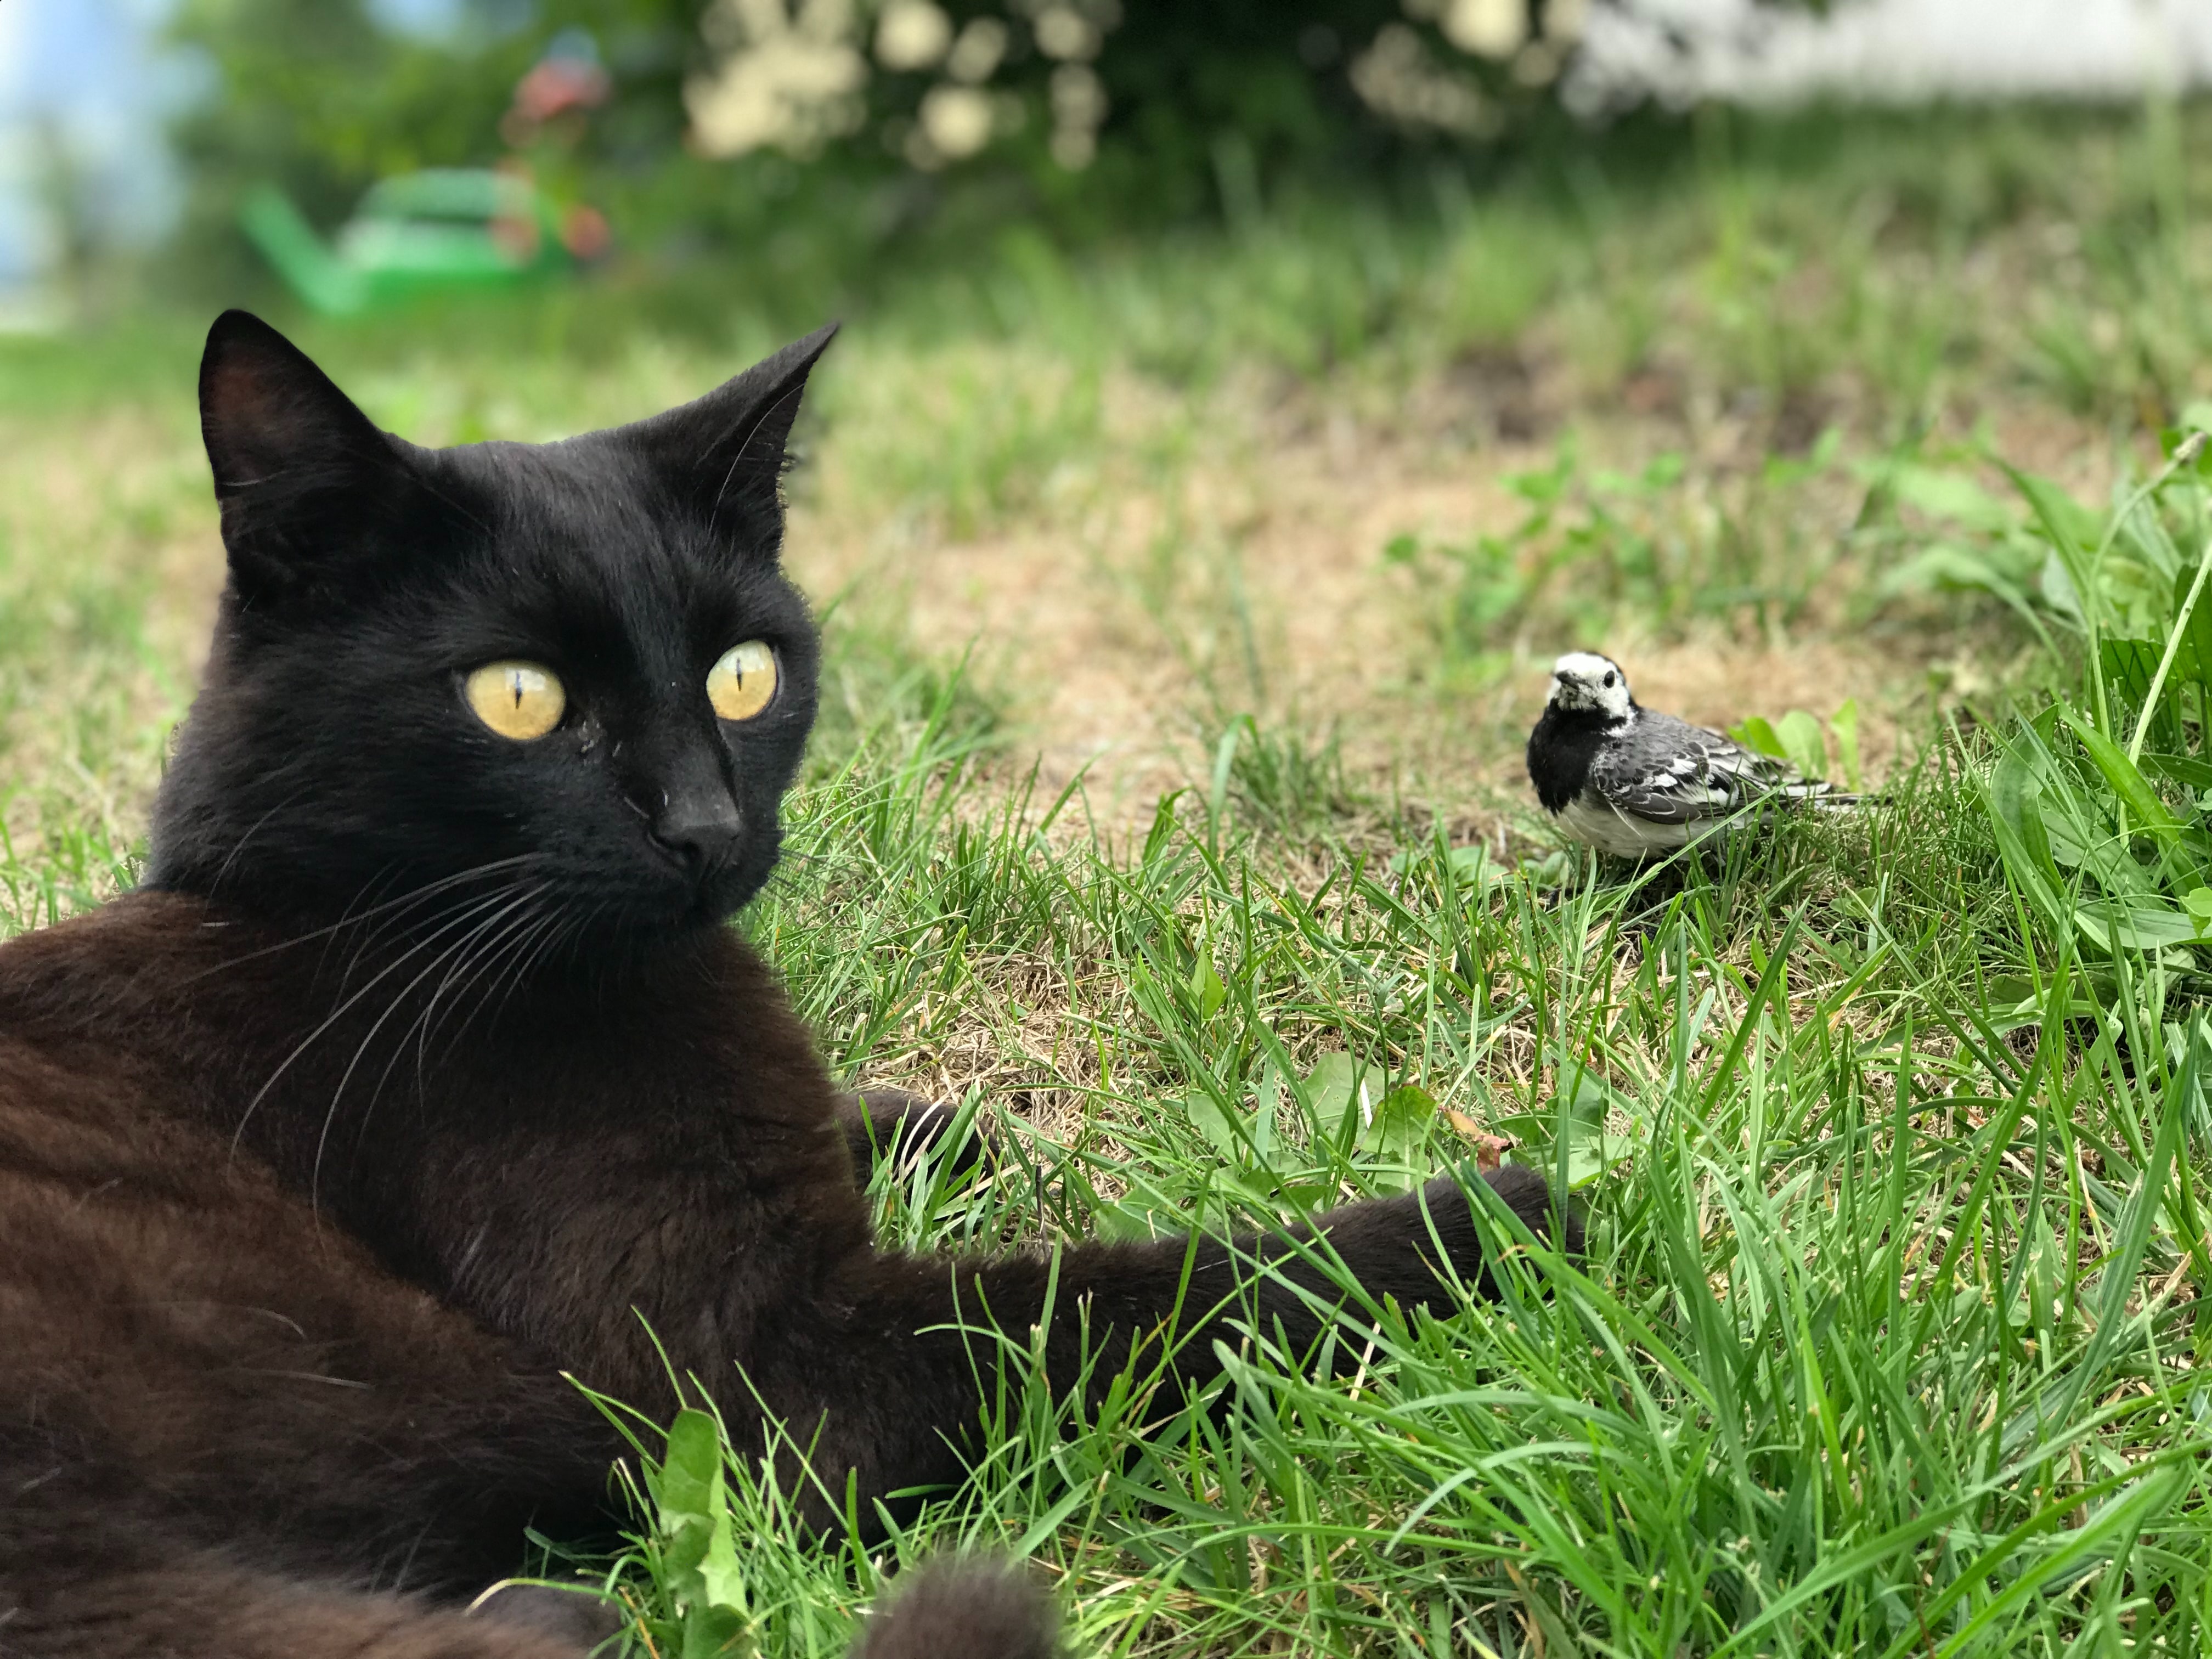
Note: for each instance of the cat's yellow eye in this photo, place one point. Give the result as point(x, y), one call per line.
point(518, 700)
point(740, 684)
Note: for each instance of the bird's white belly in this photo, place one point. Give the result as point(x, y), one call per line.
point(1623, 835)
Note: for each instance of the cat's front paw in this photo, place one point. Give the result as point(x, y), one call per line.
point(962, 1610)
point(574, 1618)
point(1552, 1217)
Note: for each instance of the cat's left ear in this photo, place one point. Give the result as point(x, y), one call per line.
point(312, 493)
point(723, 455)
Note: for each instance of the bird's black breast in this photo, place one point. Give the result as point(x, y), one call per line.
point(1560, 750)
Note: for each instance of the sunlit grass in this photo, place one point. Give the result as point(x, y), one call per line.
point(1886, 1340)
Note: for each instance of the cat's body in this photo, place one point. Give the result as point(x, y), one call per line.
point(424, 1073)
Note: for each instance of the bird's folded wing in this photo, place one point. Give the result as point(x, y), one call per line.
point(1672, 772)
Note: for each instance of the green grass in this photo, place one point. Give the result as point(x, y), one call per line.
point(1882, 1346)
point(1887, 1341)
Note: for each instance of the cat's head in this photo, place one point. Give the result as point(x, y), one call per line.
point(570, 678)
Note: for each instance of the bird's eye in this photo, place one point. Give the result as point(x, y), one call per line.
point(742, 680)
point(520, 700)
point(1608, 678)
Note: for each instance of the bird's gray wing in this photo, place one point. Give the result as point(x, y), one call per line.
point(1672, 772)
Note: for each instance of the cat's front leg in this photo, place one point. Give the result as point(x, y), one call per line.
point(884, 1376)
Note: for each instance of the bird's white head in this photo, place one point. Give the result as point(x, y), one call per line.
point(1584, 680)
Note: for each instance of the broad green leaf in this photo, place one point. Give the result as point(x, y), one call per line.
point(2187, 770)
point(699, 1557)
point(1328, 1087)
point(1215, 1121)
point(1756, 733)
point(2014, 1001)
point(1206, 989)
point(691, 1483)
point(2137, 927)
point(1472, 864)
point(1138, 1217)
point(1400, 1126)
point(1473, 867)
point(1552, 870)
point(2016, 796)
point(2142, 801)
point(2073, 533)
point(1944, 566)
point(1955, 497)
point(721, 1578)
point(2060, 592)
point(2128, 665)
point(2193, 661)
point(1593, 1154)
point(1801, 741)
point(1843, 726)
point(2073, 527)
point(1590, 1150)
point(1586, 1096)
point(1584, 1101)
point(2016, 817)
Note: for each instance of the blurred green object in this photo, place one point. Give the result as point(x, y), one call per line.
point(418, 233)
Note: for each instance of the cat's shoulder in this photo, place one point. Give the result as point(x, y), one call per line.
point(139, 944)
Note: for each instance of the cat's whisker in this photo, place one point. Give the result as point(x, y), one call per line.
point(251, 829)
point(463, 972)
point(525, 956)
point(390, 870)
point(509, 960)
point(390, 915)
point(482, 947)
point(568, 928)
point(346, 1007)
point(337, 1095)
point(399, 902)
point(464, 976)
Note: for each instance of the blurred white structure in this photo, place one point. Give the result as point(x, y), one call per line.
point(1892, 51)
point(83, 86)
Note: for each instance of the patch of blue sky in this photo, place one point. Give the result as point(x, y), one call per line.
point(90, 81)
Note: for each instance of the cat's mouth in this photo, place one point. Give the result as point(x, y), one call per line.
point(703, 885)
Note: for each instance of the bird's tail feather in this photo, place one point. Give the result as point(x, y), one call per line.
point(1822, 798)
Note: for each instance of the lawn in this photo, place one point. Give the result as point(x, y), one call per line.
point(1186, 604)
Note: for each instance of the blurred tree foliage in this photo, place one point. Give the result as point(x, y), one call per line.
point(318, 97)
point(880, 116)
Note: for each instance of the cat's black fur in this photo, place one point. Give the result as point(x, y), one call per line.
point(422, 1071)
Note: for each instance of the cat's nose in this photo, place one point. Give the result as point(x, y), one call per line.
point(701, 829)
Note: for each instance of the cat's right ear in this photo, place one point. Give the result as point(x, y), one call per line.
point(307, 482)
point(723, 456)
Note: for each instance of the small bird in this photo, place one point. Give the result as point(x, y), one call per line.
point(1636, 784)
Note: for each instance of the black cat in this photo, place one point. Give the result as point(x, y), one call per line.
point(423, 1070)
